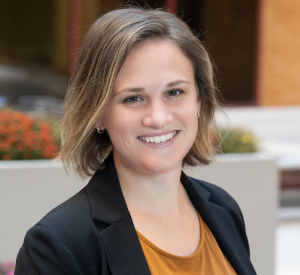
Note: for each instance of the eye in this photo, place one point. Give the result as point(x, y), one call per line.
point(132, 99)
point(174, 92)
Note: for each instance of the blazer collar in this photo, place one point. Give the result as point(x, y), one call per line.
point(105, 195)
point(121, 244)
point(221, 225)
point(122, 247)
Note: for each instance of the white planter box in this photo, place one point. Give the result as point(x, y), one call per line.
point(30, 189)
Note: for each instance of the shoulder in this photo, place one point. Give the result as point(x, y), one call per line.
point(71, 221)
point(220, 197)
point(71, 212)
point(67, 232)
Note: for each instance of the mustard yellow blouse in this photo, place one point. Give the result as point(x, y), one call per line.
point(207, 259)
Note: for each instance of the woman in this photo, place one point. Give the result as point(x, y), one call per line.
point(140, 106)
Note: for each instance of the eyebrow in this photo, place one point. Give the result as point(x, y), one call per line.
point(140, 89)
point(177, 82)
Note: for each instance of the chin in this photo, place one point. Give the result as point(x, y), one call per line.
point(158, 166)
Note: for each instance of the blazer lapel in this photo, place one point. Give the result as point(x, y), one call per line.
point(123, 252)
point(222, 227)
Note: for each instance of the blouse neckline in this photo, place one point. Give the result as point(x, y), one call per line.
point(173, 256)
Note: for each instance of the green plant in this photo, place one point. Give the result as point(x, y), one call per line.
point(237, 140)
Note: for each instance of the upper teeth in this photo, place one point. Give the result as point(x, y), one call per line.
point(158, 139)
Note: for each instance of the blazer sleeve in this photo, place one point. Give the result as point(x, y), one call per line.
point(43, 253)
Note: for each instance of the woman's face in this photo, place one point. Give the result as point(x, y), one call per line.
point(152, 116)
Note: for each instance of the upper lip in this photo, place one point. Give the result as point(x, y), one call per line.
point(158, 134)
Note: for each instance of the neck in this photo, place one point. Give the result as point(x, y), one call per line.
point(153, 193)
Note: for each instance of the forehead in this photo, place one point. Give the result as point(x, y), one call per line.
point(154, 62)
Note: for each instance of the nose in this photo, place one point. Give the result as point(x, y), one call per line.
point(158, 115)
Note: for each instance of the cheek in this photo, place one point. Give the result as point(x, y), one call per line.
point(188, 117)
point(121, 125)
point(188, 112)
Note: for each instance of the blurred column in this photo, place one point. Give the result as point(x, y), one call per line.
point(172, 6)
point(75, 28)
point(90, 11)
point(258, 50)
point(61, 34)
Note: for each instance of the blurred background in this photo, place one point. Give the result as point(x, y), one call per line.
point(255, 45)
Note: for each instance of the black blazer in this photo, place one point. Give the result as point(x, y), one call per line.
point(93, 233)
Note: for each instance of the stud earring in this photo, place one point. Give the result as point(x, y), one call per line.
point(100, 131)
point(198, 111)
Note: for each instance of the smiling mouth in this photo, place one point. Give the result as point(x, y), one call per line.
point(159, 139)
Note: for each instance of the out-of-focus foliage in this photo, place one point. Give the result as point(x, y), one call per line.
point(237, 140)
point(54, 122)
point(25, 137)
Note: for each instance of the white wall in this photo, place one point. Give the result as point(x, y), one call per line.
point(30, 189)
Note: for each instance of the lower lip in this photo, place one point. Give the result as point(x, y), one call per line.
point(161, 144)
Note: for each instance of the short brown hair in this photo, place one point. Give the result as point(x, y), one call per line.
point(105, 48)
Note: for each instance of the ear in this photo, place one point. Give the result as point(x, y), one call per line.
point(100, 125)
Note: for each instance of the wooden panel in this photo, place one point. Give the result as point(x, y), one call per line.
point(280, 54)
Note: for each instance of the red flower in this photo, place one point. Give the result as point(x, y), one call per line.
point(25, 137)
